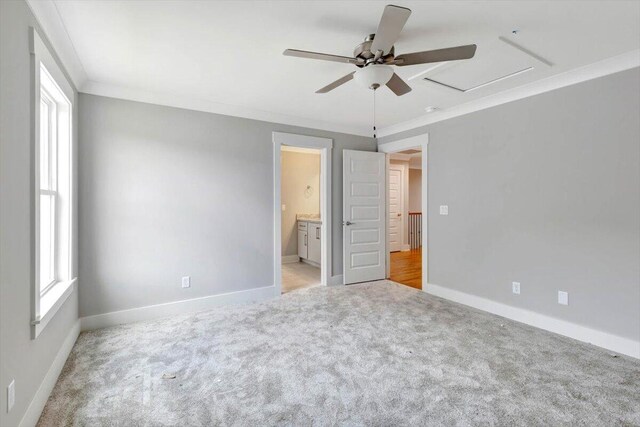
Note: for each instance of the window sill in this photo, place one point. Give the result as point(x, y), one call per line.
point(51, 303)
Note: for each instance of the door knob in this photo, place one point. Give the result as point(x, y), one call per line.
point(348, 223)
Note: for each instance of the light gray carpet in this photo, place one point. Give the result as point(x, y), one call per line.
point(371, 354)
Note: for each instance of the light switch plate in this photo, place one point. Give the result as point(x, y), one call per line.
point(444, 210)
point(186, 282)
point(284, 207)
point(515, 287)
point(563, 298)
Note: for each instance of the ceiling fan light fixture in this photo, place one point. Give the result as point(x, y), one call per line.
point(374, 56)
point(373, 76)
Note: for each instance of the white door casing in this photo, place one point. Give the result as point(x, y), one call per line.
point(325, 146)
point(364, 219)
point(421, 142)
point(396, 207)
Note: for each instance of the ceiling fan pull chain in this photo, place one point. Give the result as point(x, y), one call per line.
point(374, 113)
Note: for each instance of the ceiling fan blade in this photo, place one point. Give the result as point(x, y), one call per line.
point(339, 82)
point(398, 86)
point(389, 28)
point(439, 55)
point(316, 55)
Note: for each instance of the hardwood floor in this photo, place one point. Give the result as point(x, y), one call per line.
point(406, 268)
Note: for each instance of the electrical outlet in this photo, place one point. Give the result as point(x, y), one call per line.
point(515, 287)
point(563, 297)
point(186, 282)
point(444, 210)
point(11, 395)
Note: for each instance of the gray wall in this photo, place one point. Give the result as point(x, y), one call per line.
point(166, 192)
point(415, 190)
point(21, 358)
point(544, 191)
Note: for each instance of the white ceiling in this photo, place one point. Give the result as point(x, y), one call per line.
point(229, 53)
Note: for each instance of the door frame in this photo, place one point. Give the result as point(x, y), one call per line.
point(325, 146)
point(422, 142)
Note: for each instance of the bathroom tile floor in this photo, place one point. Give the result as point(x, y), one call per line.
point(298, 275)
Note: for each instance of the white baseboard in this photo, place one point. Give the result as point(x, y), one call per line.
point(38, 402)
point(176, 307)
point(598, 338)
point(405, 248)
point(336, 280)
point(289, 259)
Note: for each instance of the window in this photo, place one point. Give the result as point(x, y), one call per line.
point(53, 203)
point(48, 169)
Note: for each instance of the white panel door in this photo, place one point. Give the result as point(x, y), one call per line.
point(363, 216)
point(396, 207)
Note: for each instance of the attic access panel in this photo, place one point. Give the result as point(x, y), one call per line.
point(495, 61)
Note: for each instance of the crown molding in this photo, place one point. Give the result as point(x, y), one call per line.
point(608, 66)
point(49, 20)
point(198, 104)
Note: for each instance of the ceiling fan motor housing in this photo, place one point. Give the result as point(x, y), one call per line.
point(363, 52)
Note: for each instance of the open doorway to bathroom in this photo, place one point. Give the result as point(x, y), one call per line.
point(301, 222)
point(404, 206)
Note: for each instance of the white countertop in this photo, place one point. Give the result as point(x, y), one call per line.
point(309, 218)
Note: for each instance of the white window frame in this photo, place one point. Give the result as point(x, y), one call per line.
point(49, 84)
point(51, 191)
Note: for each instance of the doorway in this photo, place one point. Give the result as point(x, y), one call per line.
point(301, 203)
point(406, 211)
point(404, 214)
point(301, 222)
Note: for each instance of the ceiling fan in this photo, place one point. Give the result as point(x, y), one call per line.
point(376, 54)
